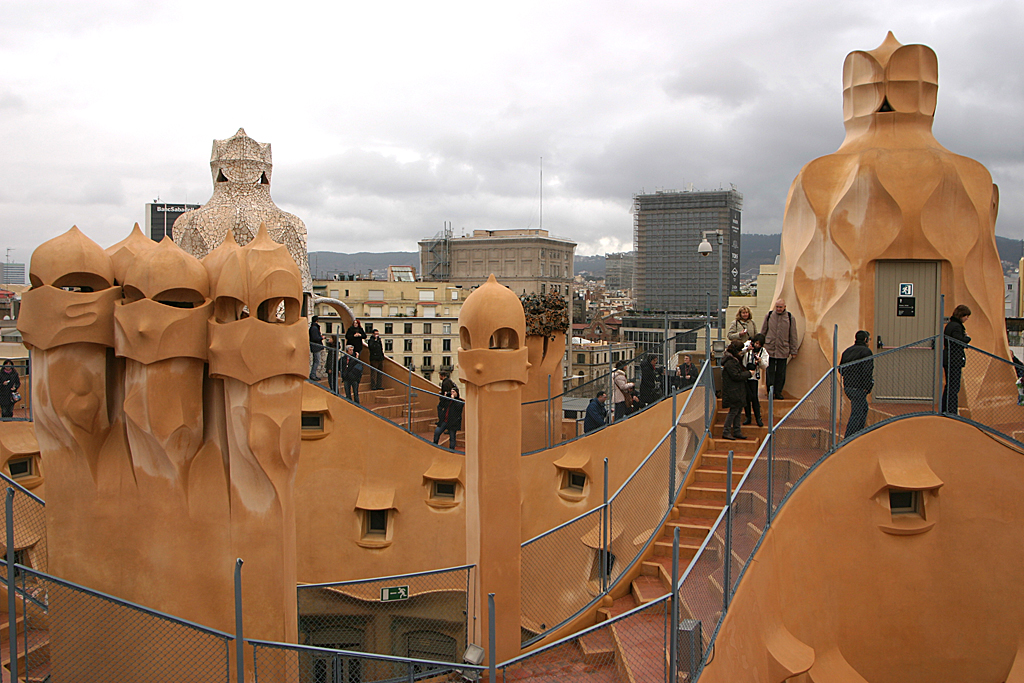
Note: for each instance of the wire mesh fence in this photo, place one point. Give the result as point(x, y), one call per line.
point(15, 389)
point(630, 647)
point(992, 393)
point(275, 662)
point(561, 573)
point(427, 615)
point(71, 633)
point(700, 590)
point(29, 525)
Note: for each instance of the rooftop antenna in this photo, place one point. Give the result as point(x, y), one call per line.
point(541, 193)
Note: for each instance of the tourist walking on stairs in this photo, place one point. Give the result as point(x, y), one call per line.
point(755, 359)
point(780, 339)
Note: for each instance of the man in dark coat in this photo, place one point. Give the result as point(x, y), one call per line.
point(597, 414)
point(686, 373)
point(650, 388)
point(954, 357)
point(355, 335)
point(858, 380)
point(449, 416)
point(376, 346)
point(734, 389)
point(316, 346)
point(351, 373)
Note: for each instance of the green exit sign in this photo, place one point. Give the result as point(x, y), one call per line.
point(394, 593)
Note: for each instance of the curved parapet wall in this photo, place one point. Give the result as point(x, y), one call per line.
point(890, 192)
point(845, 588)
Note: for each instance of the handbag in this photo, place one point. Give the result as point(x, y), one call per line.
point(16, 396)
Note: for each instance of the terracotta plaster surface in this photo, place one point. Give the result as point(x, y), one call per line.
point(830, 592)
point(361, 452)
point(493, 365)
point(241, 169)
point(890, 192)
point(158, 475)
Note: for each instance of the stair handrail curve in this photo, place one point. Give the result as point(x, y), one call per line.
point(938, 342)
point(705, 380)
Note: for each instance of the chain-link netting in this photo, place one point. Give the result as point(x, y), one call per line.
point(561, 573)
point(69, 633)
point(801, 439)
point(15, 389)
point(749, 515)
point(631, 647)
point(276, 662)
point(423, 616)
point(701, 588)
point(638, 510)
point(29, 528)
point(992, 392)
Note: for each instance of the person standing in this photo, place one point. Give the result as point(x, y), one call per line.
point(351, 374)
point(451, 419)
point(734, 389)
point(780, 340)
point(331, 347)
point(743, 327)
point(687, 373)
point(597, 414)
point(650, 390)
point(376, 346)
point(954, 358)
point(354, 336)
point(621, 390)
point(755, 359)
point(10, 382)
point(316, 347)
point(858, 380)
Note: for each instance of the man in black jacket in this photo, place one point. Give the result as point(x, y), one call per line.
point(597, 414)
point(858, 380)
point(376, 346)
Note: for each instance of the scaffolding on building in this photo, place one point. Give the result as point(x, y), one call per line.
point(437, 256)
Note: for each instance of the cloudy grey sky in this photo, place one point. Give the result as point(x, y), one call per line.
point(387, 119)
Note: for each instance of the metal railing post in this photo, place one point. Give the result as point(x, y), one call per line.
point(709, 394)
point(707, 334)
point(491, 654)
point(835, 388)
point(672, 456)
point(408, 388)
point(239, 640)
point(673, 647)
point(31, 392)
point(604, 533)
point(549, 411)
point(940, 341)
point(411, 673)
point(12, 618)
point(771, 451)
point(611, 387)
point(727, 569)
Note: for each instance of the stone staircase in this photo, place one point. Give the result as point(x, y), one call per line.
point(626, 652)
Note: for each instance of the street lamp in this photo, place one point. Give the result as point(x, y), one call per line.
point(704, 249)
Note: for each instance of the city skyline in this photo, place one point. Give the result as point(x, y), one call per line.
point(387, 122)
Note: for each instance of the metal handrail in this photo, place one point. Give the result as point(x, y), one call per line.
point(363, 655)
point(330, 584)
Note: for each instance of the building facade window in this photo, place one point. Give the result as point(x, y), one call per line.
point(446, 344)
point(407, 344)
point(389, 328)
point(408, 328)
point(389, 345)
point(407, 361)
point(446, 328)
point(427, 345)
point(426, 328)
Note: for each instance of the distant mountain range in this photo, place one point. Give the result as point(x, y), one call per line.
point(754, 250)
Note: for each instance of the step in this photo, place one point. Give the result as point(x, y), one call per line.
point(718, 474)
point(740, 460)
point(689, 527)
point(725, 445)
point(687, 549)
point(620, 606)
point(639, 654)
point(647, 588)
point(693, 507)
point(707, 490)
point(597, 647)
